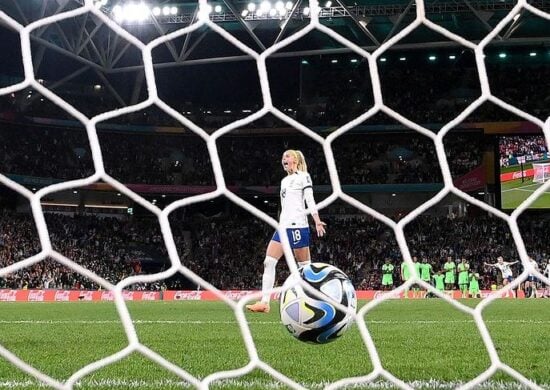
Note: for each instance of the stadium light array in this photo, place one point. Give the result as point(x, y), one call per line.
point(218, 9)
point(334, 61)
point(452, 57)
point(135, 12)
point(306, 11)
point(533, 54)
point(244, 13)
point(502, 55)
point(354, 60)
point(304, 62)
point(402, 58)
point(139, 12)
point(432, 58)
point(328, 4)
point(265, 6)
point(383, 59)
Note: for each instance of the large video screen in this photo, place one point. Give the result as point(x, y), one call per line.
point(524, 166)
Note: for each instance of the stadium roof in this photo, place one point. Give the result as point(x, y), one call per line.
point(84, 51)
point(365, 22)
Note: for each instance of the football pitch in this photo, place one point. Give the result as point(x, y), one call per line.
point(514, 192)
point(426, 343)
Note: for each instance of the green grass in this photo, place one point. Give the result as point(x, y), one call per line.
point(417, 340)
point(514, 192)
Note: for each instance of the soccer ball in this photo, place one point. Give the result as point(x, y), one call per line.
point(313, 320)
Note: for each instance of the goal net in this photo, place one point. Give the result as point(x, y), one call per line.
point(541, 172)
point(205, 18)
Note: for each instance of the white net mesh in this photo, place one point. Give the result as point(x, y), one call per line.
point(134, 345)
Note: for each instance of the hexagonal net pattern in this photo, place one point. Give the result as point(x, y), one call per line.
point(134, 345)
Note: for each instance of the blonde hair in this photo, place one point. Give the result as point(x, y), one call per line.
point(301, 164)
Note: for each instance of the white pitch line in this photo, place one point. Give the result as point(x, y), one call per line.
point(523, 188)
point(531, 191)
point(177, 322)
point(432, 384)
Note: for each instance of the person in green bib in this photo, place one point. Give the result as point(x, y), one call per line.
point(405, 275)
point(473, 278)
point(417, 267)
point(463, 277)
point(439, 280)
point(450, 269)
point(387, 275)
point(426, 271)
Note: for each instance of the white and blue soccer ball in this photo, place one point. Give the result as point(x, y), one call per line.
point(315, 320)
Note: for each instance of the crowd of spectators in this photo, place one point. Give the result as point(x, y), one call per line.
point(522, 86)
point(104, 245)
point(514, 146)
point(226, 249)
point(391, 159)
point(361, 158)
point(333, 95)
point(424, 94)
point(465, 152)
point(48, 153)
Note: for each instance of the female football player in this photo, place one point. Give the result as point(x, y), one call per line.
point(296, 188)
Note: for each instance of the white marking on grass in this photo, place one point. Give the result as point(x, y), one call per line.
point(530, 191)
point(198, 322)
point(258, 383)
point(522, 188)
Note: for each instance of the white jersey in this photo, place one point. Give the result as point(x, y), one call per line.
point(505, 269)
point(547, 272)
point(293, 211)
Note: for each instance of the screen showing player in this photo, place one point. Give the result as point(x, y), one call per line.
point(524, 164)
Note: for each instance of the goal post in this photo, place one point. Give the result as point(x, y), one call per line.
point(541, 172)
